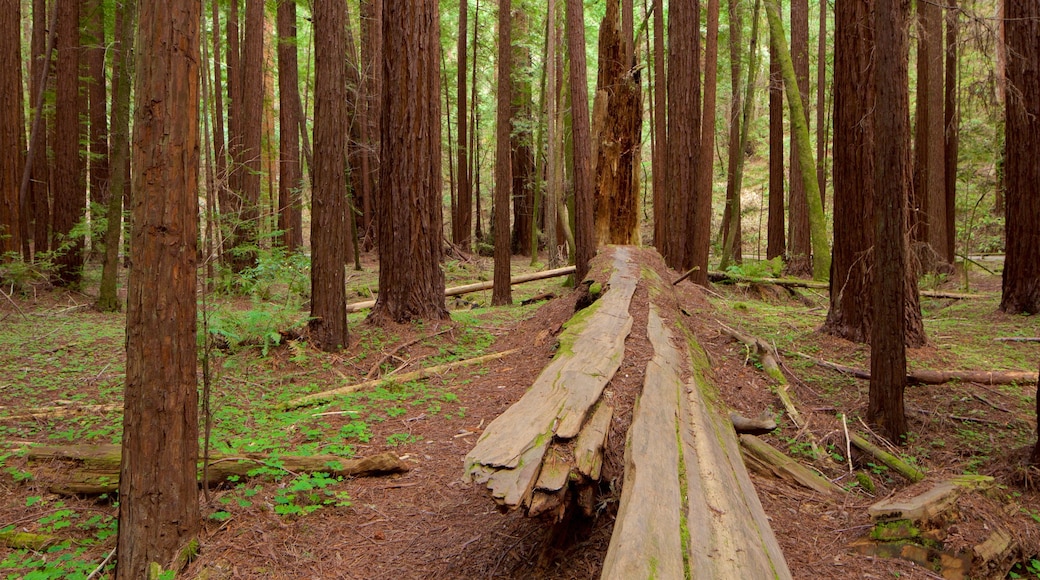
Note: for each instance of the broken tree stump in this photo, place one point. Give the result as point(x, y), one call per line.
point(527, 454)
point(97, 471)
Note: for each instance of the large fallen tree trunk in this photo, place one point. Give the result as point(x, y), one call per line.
point(478, 286)
point(934, 377)
point(726, 278)
point(97, 471)
point(553, 436)
point(688, 508)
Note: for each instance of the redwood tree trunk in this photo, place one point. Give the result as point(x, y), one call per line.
point(660, 159)
point(891, 182)
point(776, 244)
point(501, 293)
point(584, 234)
point(800, 244)
point(290, 178)
point(94, 52)
point(683, 134)
point(522, 139)
point(69, 179)
point(929, 143)
point(39, 203)
point(158, 491)
point(706, 173)
point(411, 281)
point(12, 128)
point(372, 82)
point(952, 131)
point(329, 201)
point(1021, 286)
point(250, 125)
point(462, 221)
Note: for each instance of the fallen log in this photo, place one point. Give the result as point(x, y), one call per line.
point(27, 541)
point(538, 433)
point(688, 508)
point(478, 286)
point(772, 461)
point(933, 377)
point(898, 465)
point(764, 352)
point(1017, 339)
point(744, 426)
point(725, 278)
point(315, 398)
point(62, 411)
point(98, 469)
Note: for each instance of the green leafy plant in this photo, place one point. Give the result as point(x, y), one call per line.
point(308, 493)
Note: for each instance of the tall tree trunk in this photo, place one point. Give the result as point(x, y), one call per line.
point(290, 178)
point(220, 150)
point(617, 192)
point(250, 127)
point(584, 234)
point(951, 127)
point(521, 138)
point(799, 249)
point(474, 117)
point(354, 146)
point(683, 135)
point(659, 163)
point(706, 173)
point(1021, 284)
point(553, 153)
point(733, 151)
point(329, 201)
point(372, 59)
point(929, 143)
point(776, 244)
point(123, 55)
point(891, 182)
point(411, 281)
point(501, 293)
point(159, 515)
point(70, 186)
point(94, 53)
point(800, 135)
point(462, 221)
point(40, 172)
point(12, 129)
point(1000, 74)
point(231, 214)
point(821, 105)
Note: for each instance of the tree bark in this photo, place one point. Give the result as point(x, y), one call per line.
point(659, 163)
point(554, 154)
point(39, 174)
point(584, 234)
point(329, 200)
point(220, 149)
point(250, 127)
point(800, 134)
point(521, 139)
point(776, 244)
point(290, 174)
point(372, 82)
point(684, 138)
point(821, 105)
point(706, 172)
point(462, 221)
point(799, 248)
point(94, 53)
point(158, 494)
point(735, 154)
point(929, 143)
point(123, 55)
point(231, 213)
point(1021, 283)
point(891, 183)
point(69, 179)
point(12, 129)
point(411, 281)
point(502, 294)
point(951, 128)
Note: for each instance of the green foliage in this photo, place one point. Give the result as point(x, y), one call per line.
point(260, 326)
point(757, 268)
point(308, 493)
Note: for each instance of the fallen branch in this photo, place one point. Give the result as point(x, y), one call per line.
point(98, 471)
point(375, 368)
point(27, 541)
point(960, 418)
point(744, 426)
point(686, 275)
point(478, 286)
point(767, 357)
point(314, 398)
point(61, 411)
point(933, 377)
point(770, 459)
point(1017, 339)
point(898, 465)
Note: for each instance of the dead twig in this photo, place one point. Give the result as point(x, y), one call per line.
point(16, 307)
point(375, 368)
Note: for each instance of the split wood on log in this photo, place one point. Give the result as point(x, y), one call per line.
point(513, 451)
point(98, 471)
point(478, 286)
point(680, 449)
point(315, 398)
point(932, 377)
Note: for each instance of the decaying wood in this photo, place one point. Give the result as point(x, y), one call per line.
point(315, 398)
point(725, 278)
point(766, 355)
point(510, 454)
point(478, 286)
point(898, 465)
point(538, 298)
point(1017, 339)
point(782, 466)
point(61, 411)
point(98, 469)
point(744, 426)
point(933, 377)
point(728, 534)
point(931, 503)
point(375, 368)
point(27, 541)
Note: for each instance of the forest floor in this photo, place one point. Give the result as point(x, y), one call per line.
point(58, 354)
